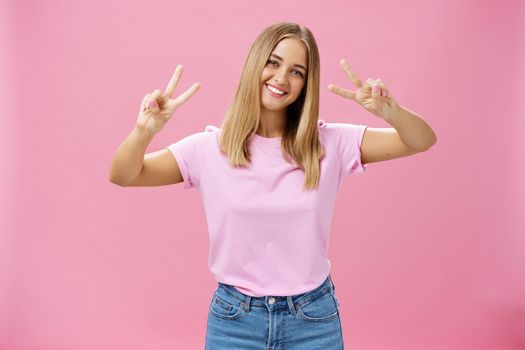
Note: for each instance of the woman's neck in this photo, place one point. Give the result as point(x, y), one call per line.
point(272, 123)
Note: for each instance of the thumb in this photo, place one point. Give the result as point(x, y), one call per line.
point(151, 103)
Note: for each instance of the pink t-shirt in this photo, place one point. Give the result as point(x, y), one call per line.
point(267, 235)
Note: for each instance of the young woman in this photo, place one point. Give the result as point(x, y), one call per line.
point(268, 179)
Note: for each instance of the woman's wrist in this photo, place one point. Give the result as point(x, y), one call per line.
point(143, 134)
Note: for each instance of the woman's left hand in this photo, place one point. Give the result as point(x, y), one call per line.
point(373, 95)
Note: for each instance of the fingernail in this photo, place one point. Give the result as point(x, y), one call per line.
point(152, 104)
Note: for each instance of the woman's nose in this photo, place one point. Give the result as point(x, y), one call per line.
point(280, 76)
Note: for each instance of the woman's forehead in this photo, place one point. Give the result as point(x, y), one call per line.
point(292, 51)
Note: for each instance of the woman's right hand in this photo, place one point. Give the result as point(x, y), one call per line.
point(157, 108)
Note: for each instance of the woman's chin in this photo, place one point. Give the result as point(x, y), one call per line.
point(272, 107)
point(272, 104)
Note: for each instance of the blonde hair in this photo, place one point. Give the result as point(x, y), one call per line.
point(299, 142)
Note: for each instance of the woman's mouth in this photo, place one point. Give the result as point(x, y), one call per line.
point(274, 91)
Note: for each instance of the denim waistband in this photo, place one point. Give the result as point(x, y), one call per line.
point(279, 301)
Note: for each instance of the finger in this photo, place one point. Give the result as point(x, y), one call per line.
point(374, 87)
point(342, 92)
point(156, 100)
point(351, 74)
point(170, 89)
point(144, 102)
point(187, 94)
point(383, 89)
point(156, 94)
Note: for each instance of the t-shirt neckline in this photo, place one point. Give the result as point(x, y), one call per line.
point(275, 141)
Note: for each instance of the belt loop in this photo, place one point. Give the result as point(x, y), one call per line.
point(247, 303)
point(291, 305)
point(332, 286)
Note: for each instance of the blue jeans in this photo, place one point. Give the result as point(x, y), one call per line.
point(305, 321)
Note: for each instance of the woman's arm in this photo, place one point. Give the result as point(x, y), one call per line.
point(413, 131)
point(410, 134)
point(127, 163)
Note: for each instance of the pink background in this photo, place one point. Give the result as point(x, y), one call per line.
point(428, 251)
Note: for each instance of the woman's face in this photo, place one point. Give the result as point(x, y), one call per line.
point(286, 70)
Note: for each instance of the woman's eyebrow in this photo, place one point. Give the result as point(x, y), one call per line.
point(295, 65)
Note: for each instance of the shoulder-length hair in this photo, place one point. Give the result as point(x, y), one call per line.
point(300, 142)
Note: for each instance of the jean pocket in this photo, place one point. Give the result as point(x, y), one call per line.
point(225, 307)
point(322, 309)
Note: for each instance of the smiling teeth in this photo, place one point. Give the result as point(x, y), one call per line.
point(275, 90)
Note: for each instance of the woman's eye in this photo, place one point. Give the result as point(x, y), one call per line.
point(295, 72)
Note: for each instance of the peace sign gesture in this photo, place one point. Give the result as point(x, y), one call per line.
point(373, 96)
point(157, 108)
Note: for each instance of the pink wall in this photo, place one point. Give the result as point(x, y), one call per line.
point(428, 251)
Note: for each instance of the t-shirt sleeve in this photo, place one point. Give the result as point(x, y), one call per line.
point(189, 153)
point(350, 137)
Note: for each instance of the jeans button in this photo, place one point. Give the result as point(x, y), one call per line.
point(271, 300)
